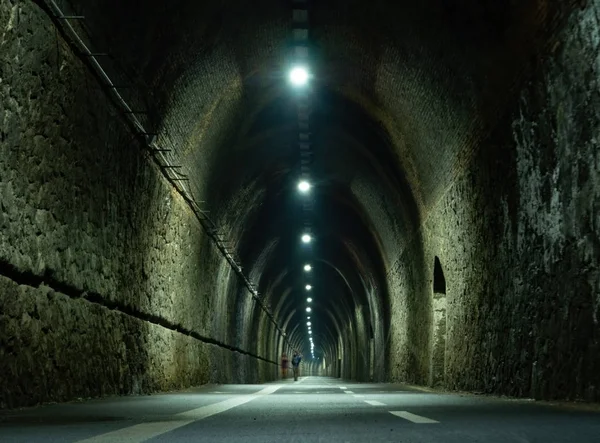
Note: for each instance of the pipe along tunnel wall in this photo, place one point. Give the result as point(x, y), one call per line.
point(109, 285)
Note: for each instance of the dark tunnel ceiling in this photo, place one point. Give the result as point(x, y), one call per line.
point(401, 91)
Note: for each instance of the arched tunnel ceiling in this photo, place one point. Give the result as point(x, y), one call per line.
point(401, 92)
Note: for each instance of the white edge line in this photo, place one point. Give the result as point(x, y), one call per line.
point(145, 431)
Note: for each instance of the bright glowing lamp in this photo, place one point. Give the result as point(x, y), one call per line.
point(299, 76)
point(304, 186)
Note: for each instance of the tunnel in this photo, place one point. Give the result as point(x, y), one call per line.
point(400, 191)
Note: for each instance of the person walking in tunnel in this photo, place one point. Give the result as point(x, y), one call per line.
point(284, 365)
point(296, 359)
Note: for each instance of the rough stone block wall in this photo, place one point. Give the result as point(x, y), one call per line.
point(410, 307)
point(518, 236)
point(438, 341)
point(110, 285)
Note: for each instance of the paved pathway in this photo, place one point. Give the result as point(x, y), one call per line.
point(311, 410)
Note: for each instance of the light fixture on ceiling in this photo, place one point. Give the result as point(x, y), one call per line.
point(303, 186)
point(299, 76)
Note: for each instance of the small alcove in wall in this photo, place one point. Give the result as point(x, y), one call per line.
point(439, 281)
point(438, 352)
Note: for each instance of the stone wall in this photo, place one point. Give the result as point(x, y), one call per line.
point(518, 237)
point(411, 308)
point(110, 285)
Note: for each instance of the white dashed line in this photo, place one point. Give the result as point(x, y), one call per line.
point(359, 396)
point(412, 417)
point(374, 403)
point(146, 431)
point(343, 388)
point(349, 392)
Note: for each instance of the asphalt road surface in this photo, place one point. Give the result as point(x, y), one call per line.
point(313, 409)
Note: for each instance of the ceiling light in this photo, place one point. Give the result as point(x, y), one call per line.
point(308, 309)
point(299, 76)
point(309, 299)
point(308, 287)
point(307, 268)
point(306, 238)
point(304, 186)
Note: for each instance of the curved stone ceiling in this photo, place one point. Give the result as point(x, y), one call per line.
point(401, 93)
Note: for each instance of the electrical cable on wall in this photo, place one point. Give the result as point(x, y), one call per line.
point(90, 58)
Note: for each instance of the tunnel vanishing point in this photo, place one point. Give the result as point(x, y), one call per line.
point(151, 224)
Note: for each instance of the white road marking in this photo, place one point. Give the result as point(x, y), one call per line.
point(145, 431)
point(412, 417)
point(349, 392)
point(343, 388)
point(359, 396)
point(138, 433)
point(374, 402)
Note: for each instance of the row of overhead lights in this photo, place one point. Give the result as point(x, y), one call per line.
point(299, 77)
point(308, 287)
point(304, 187)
